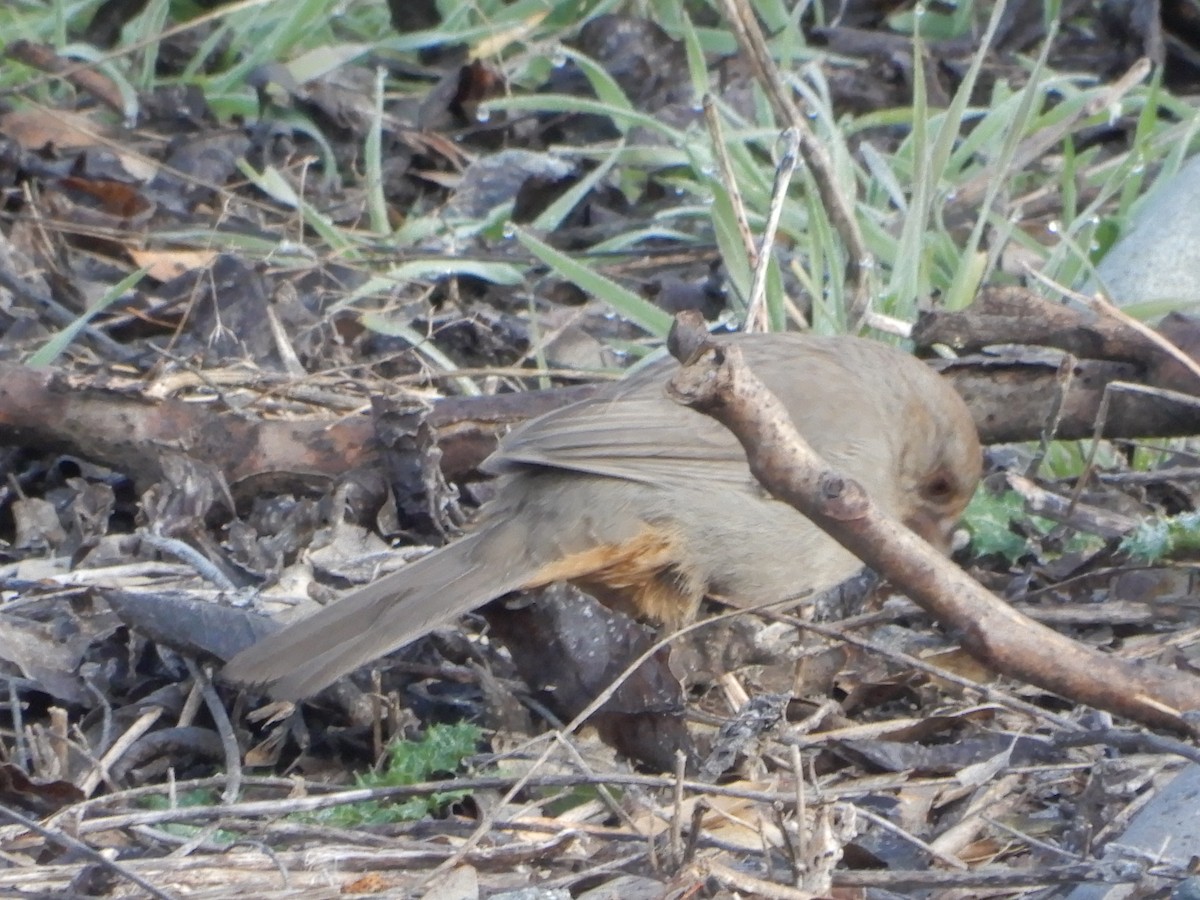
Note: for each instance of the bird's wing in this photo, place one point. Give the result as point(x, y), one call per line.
point(637, 438)
point(632, 430)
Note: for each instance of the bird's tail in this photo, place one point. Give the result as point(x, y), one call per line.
point(306, 656)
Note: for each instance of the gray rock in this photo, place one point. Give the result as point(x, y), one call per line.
point(1167, 827)
point(1159, 258)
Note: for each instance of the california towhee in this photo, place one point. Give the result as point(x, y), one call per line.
point(651, 506)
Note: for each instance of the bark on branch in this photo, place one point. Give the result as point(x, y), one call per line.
point(1010, 396)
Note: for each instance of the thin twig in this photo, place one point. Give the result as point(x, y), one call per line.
point(1063, 380)
point(604, 793)
point(756, 306)
point(887, 825)
point(801, 853)
point(185, 552)
point(677, 809)
point(728, 178)
point(233, 754)
point(139, 727)
point(77, 846)
point(755, 887)
point(1106, 307)
point(840, 208)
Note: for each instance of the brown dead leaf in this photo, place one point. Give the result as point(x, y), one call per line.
point(981, 852)
point(97, 204)
point(163, 265)
point(38, 129)
point(114, 198)
point(961, 663)
point(371, 883)
point(17, 789)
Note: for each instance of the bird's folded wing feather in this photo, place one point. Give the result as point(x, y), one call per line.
point(631, 430)
point(636, 438)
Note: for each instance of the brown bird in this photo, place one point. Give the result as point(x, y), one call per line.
point(651, 506)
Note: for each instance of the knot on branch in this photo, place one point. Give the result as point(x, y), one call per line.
point(842, 498)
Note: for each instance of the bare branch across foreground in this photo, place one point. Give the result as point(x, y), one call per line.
point(714, 380)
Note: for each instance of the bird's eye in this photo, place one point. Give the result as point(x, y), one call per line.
point(939, 490)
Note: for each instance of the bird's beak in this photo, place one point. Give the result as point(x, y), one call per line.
point(936, 529)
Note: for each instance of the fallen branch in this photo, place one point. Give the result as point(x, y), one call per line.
point(1016, 315)
point(116, 425)
point(715, 381)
